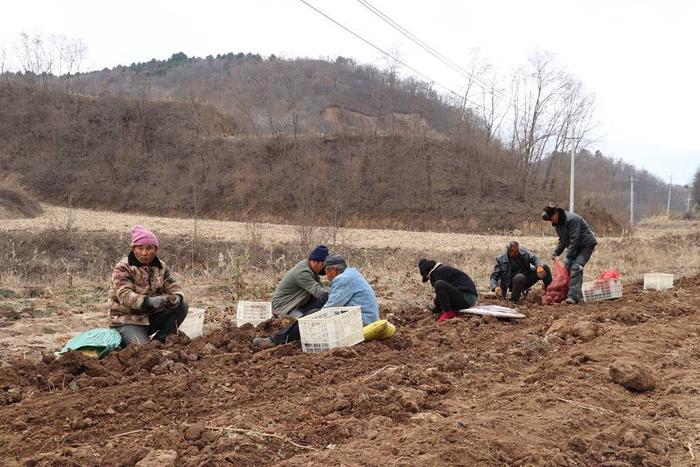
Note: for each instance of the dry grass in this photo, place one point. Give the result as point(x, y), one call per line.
point(659, 244)
point(245, 261)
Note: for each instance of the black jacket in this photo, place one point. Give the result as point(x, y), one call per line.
point(453, 276)
point(574, 234)
point(502, 273)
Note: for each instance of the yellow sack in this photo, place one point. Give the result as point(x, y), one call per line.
point(90, 351)
point(389, 331)
point(375, 330)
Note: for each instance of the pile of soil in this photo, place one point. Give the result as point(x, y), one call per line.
point(472, 391)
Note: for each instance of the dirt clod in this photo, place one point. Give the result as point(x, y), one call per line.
point(158, 458)
point(194, 432)
point(632, 375)
point(572, 328)
point(633, 438)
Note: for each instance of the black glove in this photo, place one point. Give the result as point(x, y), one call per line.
point(155, 303)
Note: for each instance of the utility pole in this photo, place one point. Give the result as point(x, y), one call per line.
point(572, 177)
point(668, 203)
point(632, 200)
point(689, 198)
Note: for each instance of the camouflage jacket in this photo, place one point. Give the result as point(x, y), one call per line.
point(131, 283)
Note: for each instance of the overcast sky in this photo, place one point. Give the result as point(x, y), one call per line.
point(639, 58)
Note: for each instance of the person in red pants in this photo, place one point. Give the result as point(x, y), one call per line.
point(454, 289)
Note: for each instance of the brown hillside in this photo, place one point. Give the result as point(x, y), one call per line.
point(173, 158)
point(184, 158)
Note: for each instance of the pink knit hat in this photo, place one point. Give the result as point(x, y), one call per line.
point(142, 236)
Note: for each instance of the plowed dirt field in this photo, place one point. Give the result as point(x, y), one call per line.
point(472, 391)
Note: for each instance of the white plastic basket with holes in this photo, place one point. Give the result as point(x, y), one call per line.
point(331, 327)
point(193, 324)
point(253, 312)
point(601, 289)
point(658, 281)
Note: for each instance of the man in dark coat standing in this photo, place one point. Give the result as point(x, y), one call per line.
point(518, 269)
point(576, 236)
point(454, 289)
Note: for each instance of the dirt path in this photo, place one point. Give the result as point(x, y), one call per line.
point(470, 392)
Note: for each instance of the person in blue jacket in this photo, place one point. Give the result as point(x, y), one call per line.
point(349, 288)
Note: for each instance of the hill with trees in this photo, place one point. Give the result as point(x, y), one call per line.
point(239, 136)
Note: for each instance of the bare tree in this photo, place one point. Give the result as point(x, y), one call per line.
point(389, 81)
point(494, 106)
point(35, 58)
point(3, 61)
point(71, 54)
point(292, 89)
point(4, 66)
point(477, 69)
point(574, 127)
point(548, 106)
point(40, 58)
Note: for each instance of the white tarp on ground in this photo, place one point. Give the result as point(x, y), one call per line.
point(494, 310)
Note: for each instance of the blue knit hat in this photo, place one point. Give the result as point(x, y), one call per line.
point(319, 253)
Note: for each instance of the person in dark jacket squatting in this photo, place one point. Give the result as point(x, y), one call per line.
point(518, 269)
point(577, 237)
point(298, 294)
point(454, 289)
point(144, 298)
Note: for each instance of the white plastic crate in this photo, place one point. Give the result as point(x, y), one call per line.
point(658, 281)
point(253, 312)
point(193, 324)
point(331, 327)
point(601, 289)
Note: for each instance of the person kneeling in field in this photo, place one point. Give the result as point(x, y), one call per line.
point(144, 298)
point(518, 269)
point(298, 294)
point(454, 289)
point(349, 288)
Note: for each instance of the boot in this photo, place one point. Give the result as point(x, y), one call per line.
point(262, 342)
point(446, 315)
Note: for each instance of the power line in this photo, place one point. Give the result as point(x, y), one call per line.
point(412, 37)
point(422, 44)
point(366, 41)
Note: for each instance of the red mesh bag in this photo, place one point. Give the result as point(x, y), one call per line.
point(557, 290)
point(601, 282)
point(609, 274)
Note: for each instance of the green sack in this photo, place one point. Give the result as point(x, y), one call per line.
point(95, 342)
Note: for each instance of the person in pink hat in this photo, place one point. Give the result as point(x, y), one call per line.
point(145, 299)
